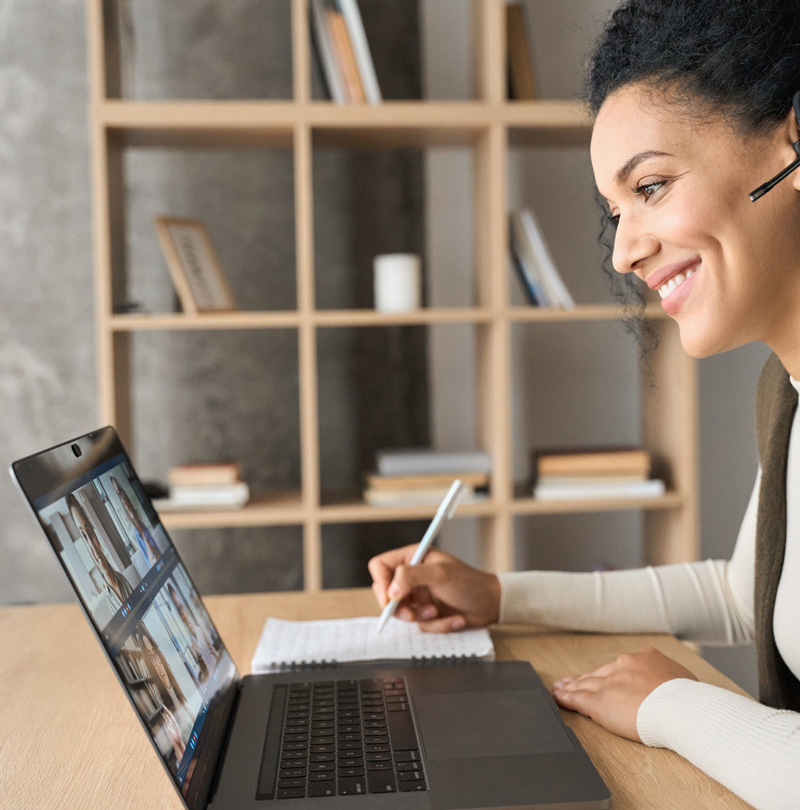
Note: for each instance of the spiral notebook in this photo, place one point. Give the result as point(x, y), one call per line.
point(290, 645)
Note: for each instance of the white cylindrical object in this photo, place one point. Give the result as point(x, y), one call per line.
point(398, 282)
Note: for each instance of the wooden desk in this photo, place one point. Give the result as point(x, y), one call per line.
point(69, 739)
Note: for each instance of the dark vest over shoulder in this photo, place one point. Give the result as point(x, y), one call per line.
point(776, 402)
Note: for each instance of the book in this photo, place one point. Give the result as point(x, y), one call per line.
point(527, 264)
point(323, 43)
point(415, 461)
point(543, 259)
point(422, 496)
point(529, 284)
point(521, 84)
point(345, 55)
point(399, 482)
point(290, 645)
point(524, 264)
point(361, 52)
point(597, 461)
point(204, 474)
point(599, 488)
point(204, 497)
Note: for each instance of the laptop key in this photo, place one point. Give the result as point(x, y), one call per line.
point(352, 786)
point(408, 786)
point(322, 788)
point(290, 793)
point(401, 731)
point(291, 783)
point(381, 782)
point(350, 771)
point(321, 776)
point(410, 776)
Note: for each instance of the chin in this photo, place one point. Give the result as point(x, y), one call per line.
point(705, 342)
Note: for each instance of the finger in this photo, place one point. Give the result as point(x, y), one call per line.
point(576, 698)
point(382, 569)
point(444, 624)
point(407, 581)
point(589, 682)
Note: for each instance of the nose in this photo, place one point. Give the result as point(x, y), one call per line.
point(632, 245)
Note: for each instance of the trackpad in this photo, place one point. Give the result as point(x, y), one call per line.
point(489, 724)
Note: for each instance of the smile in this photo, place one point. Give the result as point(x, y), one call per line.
point(668, 287)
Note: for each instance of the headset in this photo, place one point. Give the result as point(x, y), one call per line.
point(763, 189)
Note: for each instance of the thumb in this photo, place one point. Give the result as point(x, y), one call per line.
point(410, 578)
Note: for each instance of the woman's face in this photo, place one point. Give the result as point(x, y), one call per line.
point(727, 269)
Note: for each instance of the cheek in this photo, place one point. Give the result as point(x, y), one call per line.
point(692, 224)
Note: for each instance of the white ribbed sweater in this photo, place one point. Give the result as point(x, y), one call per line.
point(749, 748)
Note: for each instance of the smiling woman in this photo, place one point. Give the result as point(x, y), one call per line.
point(693, 110)
point(677, 188)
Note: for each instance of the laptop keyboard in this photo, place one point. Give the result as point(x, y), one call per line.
point(341, 738)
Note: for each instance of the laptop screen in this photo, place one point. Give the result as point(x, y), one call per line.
point(139, 597)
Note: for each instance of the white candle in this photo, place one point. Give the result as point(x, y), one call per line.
point(398, 282)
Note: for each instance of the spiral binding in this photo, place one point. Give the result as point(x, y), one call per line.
point(414, 660)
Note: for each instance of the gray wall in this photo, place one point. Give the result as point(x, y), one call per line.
point(47, 371)
point(203, 396)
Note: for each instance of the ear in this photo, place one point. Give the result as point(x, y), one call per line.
point(793, 123)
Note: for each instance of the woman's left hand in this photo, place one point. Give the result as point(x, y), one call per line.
point(613, 693)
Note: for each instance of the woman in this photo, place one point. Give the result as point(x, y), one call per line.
point(140, 532)
point(173, 722)
point(693, 112)
point(116, 589)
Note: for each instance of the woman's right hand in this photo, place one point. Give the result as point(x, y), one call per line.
point(442, 593)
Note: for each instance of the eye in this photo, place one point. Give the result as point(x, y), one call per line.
point(647, 190)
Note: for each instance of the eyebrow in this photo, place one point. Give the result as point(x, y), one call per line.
point(633, 162)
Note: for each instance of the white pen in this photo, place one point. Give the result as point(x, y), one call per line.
point(445, 511)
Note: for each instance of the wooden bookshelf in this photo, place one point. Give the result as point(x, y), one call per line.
point(490, 127)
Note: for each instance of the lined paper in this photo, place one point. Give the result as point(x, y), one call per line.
point(287, 644)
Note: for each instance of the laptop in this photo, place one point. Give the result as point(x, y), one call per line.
point(483, 734)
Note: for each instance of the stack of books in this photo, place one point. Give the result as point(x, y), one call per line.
point(343, 52)
point(533, 262)
point(205, 486)
point(421, 477)
point(605, 472)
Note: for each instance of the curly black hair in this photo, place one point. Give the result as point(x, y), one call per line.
point(735, 59)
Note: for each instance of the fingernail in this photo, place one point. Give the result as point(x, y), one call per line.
point(428, 612)
point(457, 623)
point(393, 591)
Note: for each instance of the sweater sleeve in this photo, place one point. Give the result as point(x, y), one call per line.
point(709, 601)
point(752, 749)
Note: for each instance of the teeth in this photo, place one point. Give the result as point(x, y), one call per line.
point(670, 286)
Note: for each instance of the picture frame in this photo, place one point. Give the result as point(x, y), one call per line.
point(194, 266)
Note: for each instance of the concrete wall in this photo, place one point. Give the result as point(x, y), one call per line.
point(202, 396)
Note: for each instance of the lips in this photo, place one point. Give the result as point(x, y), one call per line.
point(664, 275)
point(668, 287)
